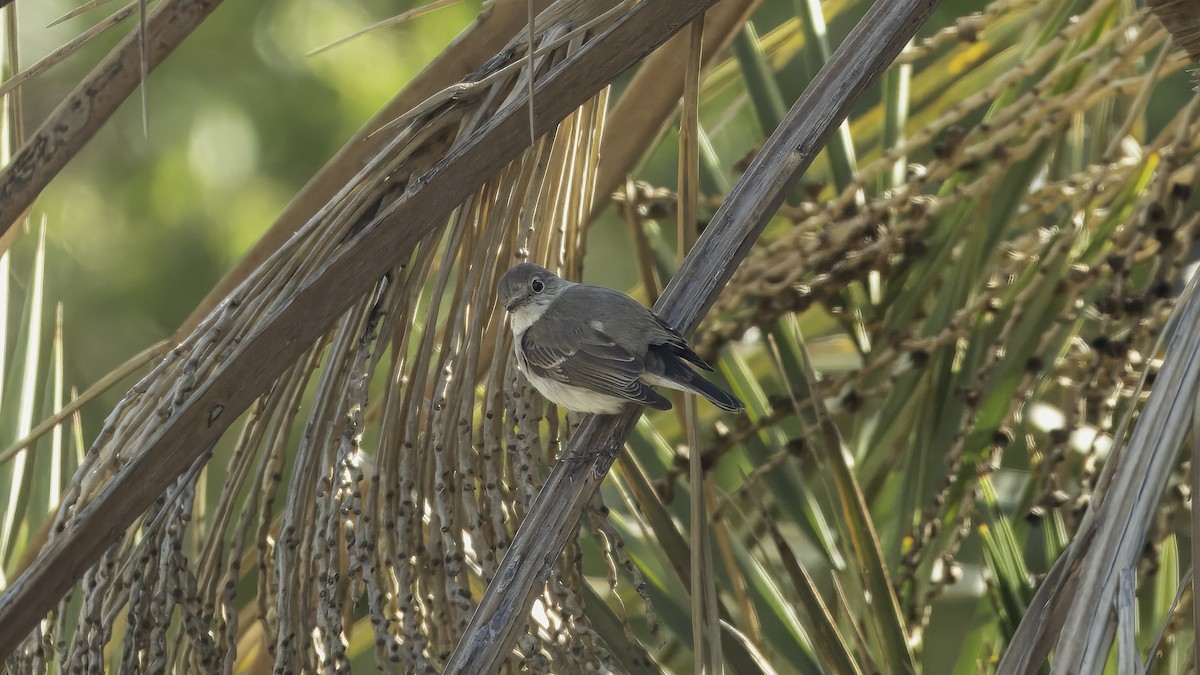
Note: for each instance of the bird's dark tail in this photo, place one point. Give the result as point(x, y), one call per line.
point(676, 371)
point(715, 395)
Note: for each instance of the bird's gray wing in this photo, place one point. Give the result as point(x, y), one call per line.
point(578, 354)
point(638, 325)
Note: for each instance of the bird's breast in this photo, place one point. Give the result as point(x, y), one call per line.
point(518, 351)
point(520, 320)
point(571, 397)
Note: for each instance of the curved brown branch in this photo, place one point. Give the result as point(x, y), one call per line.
point(91, 103)
point(503, 611)
point(465, 54)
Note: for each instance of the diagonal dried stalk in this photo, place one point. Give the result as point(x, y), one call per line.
point(92, 102)
point(74, 44)
point(468, 52)
point(1112, 535)
point(269, 325)
point(867, 51)
point(1114, 530)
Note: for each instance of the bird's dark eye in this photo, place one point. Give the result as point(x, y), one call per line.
point(537, 285)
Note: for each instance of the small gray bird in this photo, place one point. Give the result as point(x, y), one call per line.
point(592, 349)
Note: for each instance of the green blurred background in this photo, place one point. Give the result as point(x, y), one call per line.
point(141, 227)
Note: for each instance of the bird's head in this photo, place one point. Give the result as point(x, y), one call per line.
point(527, 284)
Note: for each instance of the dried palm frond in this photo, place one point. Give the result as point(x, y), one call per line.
point(391, 520)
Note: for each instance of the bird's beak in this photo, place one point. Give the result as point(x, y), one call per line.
point(512, 305)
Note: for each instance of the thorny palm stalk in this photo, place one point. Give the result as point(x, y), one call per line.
point(393, 523)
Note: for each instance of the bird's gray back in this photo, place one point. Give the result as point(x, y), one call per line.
point(626, 320)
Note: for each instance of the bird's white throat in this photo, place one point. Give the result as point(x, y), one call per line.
point(524, 316)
